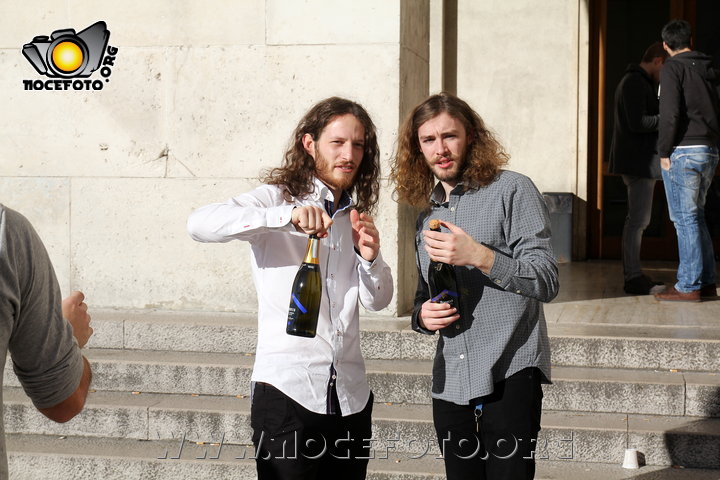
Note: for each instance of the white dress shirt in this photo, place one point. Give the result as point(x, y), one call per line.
point(299, 366)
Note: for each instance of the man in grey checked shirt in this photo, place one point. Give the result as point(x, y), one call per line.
point(493, 352)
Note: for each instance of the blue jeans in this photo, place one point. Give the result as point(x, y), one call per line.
point(686, 185)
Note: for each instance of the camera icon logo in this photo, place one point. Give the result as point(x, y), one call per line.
point(68, 54)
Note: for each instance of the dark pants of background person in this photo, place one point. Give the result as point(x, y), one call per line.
point(293, 443)
point(640, 198)
point(509, 426)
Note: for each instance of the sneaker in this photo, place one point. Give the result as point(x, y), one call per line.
point(641, 285)
point(672, 295)
point(708, 291)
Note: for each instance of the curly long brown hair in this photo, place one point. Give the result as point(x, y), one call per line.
point(297, 171)
point(410, 172)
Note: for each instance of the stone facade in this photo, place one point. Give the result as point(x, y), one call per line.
point(203, 97)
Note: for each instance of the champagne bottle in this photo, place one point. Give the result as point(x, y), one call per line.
point(306, 294)
point(441, 278)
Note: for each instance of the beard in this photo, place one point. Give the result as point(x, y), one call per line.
point(454, 174)
point(331, 177)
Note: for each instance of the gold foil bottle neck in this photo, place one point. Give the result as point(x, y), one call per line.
point(311, 254)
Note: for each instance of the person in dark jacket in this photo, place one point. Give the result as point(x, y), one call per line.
point(688, 146)
point(633, 156)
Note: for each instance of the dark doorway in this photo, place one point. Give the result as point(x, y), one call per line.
point(621, 30)
point(632, 25)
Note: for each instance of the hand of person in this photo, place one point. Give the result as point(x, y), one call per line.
point(665, 163)
point(365, 236)
point(457, 248)
point(434, 316)
point(311, 220)
point(74, 310)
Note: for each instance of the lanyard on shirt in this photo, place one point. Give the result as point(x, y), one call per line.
point(478, 415)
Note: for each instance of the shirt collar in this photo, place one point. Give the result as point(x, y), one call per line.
point(437, 196)
point(322, 193)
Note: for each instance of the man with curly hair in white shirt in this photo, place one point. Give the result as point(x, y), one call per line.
point(312, 405)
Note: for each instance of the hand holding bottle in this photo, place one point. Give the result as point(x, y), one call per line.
point(311, 220)
point(457, 248)
point(437, 315)
point(442, 308)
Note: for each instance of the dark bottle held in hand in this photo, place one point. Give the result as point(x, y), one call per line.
point(441, 279)
point(306, 294)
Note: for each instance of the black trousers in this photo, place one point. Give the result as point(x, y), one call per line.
point(508, 428)
point(293, 443)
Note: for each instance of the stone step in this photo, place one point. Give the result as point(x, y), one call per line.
point(397, 428)
point(587, 345)
point(33, 457)
point(406, 381)
point(214, 332)
point(649, 347)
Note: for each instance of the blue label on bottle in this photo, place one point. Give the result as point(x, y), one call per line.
point(298, 304)
point(443, 294)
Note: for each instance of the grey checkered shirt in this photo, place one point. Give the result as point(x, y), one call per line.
point(502, 327)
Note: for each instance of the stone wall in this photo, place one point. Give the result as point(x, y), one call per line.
point(203, 97)
point(522, 65)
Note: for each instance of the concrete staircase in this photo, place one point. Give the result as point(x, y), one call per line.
point(171, 399)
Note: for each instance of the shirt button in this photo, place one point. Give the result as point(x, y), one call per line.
point(334, 377)
point(498, 281)
point(462, 356)
point(452, 209)
point(457, 327)
point(518, 292)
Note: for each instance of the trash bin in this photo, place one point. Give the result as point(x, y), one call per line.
point(560, 207)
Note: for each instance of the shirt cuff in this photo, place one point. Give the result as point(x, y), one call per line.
point(369, 267)
point(415, 323)
point(502, 270)
point(281, 216)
